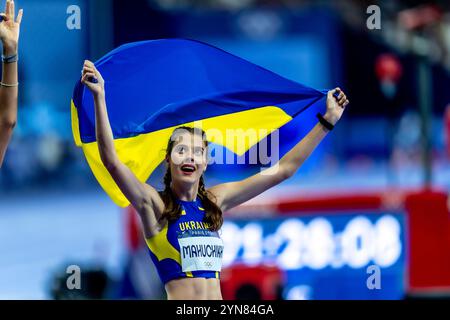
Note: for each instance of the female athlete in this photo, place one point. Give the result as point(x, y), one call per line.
point(181, 223)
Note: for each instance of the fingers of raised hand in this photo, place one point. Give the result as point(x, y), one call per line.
point(88, 69)
point(87, 76)
point(89, 63)
point(19, 16)
point(9, 9)
point(342, 98)
point(12, 11)
point(343, 102)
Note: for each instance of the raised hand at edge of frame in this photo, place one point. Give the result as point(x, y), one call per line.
point(10, 28)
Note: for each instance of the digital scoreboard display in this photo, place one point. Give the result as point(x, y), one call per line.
point(345, 255)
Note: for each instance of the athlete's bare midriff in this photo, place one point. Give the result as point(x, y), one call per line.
point(193, 289)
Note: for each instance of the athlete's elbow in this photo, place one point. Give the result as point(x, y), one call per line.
point(108, 158)
point(8, 124)
point(109, 162)
point(141, 205)
point(286, 172)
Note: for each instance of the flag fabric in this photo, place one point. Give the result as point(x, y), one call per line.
point(155, 86)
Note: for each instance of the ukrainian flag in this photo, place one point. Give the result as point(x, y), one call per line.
point(155, 86)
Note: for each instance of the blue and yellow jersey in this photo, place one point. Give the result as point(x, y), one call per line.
point(186, 247)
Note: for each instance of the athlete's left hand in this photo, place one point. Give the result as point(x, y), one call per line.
point(10, 28)
point(335, 106)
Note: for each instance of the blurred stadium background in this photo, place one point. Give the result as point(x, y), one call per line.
point(376, 192)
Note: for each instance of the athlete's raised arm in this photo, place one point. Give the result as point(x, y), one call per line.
point(232, 194)
point(9, 36)
point(144, 198)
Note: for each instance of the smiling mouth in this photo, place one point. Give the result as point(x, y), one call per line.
point(188, 168)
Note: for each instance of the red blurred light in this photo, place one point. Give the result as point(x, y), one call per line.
point(388, 68)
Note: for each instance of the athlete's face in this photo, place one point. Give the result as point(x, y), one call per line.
point(188, 157)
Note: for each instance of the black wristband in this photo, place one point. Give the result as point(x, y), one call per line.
point(324, 122)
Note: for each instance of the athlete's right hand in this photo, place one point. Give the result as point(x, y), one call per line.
point(10, 28)
point(89, 73)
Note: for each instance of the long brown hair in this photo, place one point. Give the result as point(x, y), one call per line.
point(172, 211)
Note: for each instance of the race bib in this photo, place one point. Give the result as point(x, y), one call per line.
point(200, 250)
